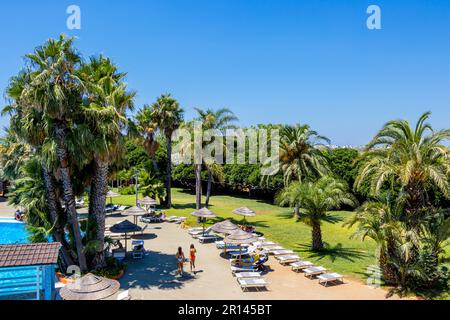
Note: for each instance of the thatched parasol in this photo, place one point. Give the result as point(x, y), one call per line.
point(204, 213)
point(125, 227)
point(90, 287)
point(245, 212)
point(111, 195)
point(225, 227)
point(240, 237)
point(134, 212)
point(147, 201)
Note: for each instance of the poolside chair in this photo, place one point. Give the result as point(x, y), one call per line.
point(208, 238)
point(221, 246)
point(241, 275)
point(314, 271)
point(281, 252)
point(261, 244)
point(283, 260)
point(138, 249)
point(300, 265)
point(122, 208)
point(257, 283)
point(124, 296)
point(330, 277)
point(192, 230)
point(172, 219)
point(197, 234)
point(119, 254)
point(272, 248)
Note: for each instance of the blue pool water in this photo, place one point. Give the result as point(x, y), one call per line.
point(12, 232)
point(15, 280)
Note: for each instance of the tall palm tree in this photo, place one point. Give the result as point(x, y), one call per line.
point(54, 90)
point(413, 157)
point(26, 135)
point(317, 199)
point(301, 156)
point(167, 116)
point(378, 221)
point(146, 127)
point(103, 119)
point(222, 120)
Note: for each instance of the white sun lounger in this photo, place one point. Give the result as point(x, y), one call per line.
point(260, 244)
point(272, 248)
point(248, 275)
point(246, 283)
point(195, 230)
point(207, 238)
point(281, 252)
point(287, 259)
point(300, 265)
point(314, 271)
point(330, 277)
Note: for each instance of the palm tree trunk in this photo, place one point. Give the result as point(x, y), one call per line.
point(198, 186)
point(209, 189)
point(97, 201)
point(389, 274)
point(297, 210)
point(169, 173)
point(317, 243)
point(54, 208)
point(69, 198)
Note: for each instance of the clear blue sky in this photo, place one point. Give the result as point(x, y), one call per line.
point(279, 61)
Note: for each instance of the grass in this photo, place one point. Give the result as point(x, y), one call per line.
point(342, 254)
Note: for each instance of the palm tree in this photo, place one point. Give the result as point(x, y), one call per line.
point(104, 117)
point(378, 221)
point(221, 120)
point(301, 155)
point(146, 127)
point(414, 158)
point(54, 90)
point(317, 199)
point(25, 136)
point(167, 116)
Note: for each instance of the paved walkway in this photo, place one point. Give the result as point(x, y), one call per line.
point(154, 277)
point(5, 210)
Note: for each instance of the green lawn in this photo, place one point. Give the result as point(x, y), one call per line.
point(343, 255)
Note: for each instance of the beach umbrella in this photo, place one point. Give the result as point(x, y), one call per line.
point(148, 202)
point(204, 213)
point(90, 287)
point(111, 195)
point(134, 212)
point(240, 237)
point(125, 227)
point(225, 227)
point(245, 212)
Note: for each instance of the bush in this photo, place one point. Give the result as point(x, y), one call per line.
point(127, 191)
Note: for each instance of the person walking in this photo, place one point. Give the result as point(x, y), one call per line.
point(193, 256)
point(180, 261)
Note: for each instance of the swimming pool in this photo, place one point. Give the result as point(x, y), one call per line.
point(13, 232)
point(15, 281)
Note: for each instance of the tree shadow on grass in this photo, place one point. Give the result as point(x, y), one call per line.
point(155, 271)
point(333, 252)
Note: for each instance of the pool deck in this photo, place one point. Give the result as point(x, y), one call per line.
point(5, 210)
point(154, 277)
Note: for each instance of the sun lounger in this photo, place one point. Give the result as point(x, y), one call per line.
point(246, 251)
point(247, 283)
point(314, 271)
point(281, 252)
point(251, 268)
point(122, 208)
point(272, 248)
point(300, 265)
point(330, 277)
point(287, 259)
point(248, 275)
point(201, 233)
point(124, 296)
point(192, 230)
point(260, 244)
point(208, 238)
